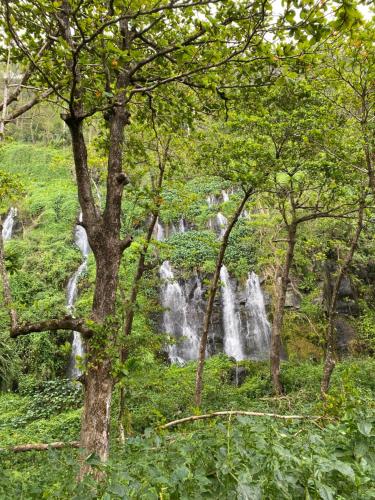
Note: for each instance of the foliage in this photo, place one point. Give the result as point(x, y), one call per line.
point(191, 250)
point(242, 456)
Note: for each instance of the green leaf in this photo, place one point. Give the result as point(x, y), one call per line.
point(345, 470)
point(365, 428)
point(117, 489)
point(325, 492)
point(181, 473)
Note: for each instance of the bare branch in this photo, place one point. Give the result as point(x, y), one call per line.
point(239, 412)
point(57, 445)
point(66, 323)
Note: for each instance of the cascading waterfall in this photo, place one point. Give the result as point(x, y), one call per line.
point(258, 328)
point(8, 224)
point(231, 318)
point(178, 319)
point(181, 318)
point(159, 232)
point(81, 240)
point(252, 336)
point(241, 321)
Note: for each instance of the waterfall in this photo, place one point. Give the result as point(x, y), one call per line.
point(231, 318)
point(231, 314)
point(258, 329)
point(225, 196)
point(181, 226)
point(8, 224)
point(219, 222)
point(182, 304)
point(178, 317)
point(159, 231)
point(80, 239)
point(240, 323)
point(222, 223)
point(246, 335)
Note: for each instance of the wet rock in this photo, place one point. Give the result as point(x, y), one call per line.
point(292, 299)
point(237, 375)
point(345, 334)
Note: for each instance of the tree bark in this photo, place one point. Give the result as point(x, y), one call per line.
point(211, 297)
point(98, 379)
point(278, 315)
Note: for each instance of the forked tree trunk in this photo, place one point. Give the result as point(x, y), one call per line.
point(103, 231)
point(211, 297)
point(278, 315)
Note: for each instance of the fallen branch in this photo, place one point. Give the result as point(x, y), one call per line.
point(41, 446)
point(245, 413)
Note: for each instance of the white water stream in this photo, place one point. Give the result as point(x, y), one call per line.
point(244, 319)
point(8, 224)
point(80, 239)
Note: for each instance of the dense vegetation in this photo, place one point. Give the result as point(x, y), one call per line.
point(192, 145)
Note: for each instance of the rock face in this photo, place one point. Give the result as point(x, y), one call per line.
point(347, 304)
point(237, 375)
point(292, 298)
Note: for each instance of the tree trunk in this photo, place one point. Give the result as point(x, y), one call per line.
point(5, 97)
point(329, 365)
point(96, 410)
point(330, 361)
point(7, 295)
point(211, 297)
point(128, 325)
point(130, 306)
point(98, 380)
point(278, 315)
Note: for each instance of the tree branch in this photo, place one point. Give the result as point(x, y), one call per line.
point(28, 105)
point(41, 446)
point(239, 412)
point(66, 323)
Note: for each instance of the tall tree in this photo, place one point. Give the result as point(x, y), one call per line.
point(305, 185)
point(104, 60)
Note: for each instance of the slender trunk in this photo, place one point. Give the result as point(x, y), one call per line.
point(330, 357)
point(7, 294)
point(128, 325)
point(5, 98)
point(130, 307)
point(211, 298)
point(278, 315)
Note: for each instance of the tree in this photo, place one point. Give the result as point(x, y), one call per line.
point(331, 348)
point(103, 60)
point(305, 185)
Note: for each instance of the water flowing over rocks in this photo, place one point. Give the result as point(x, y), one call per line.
point(8, 224)
point(239, 325)
point(81, 241)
